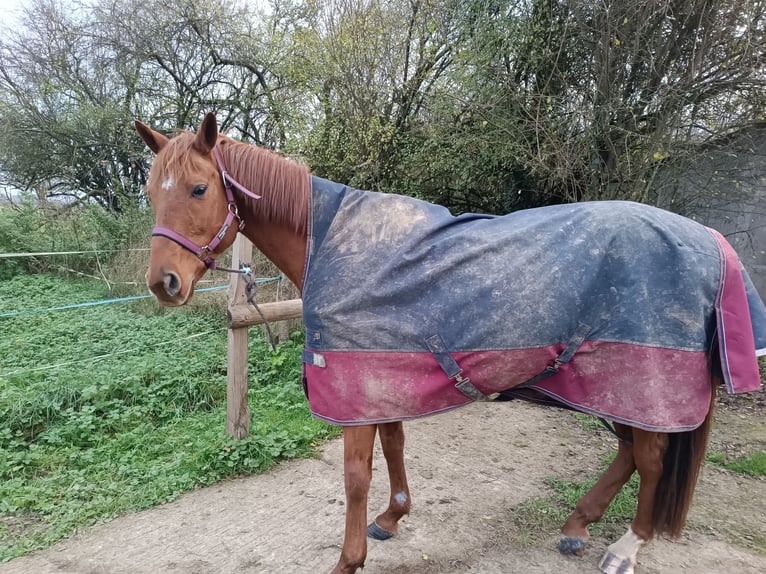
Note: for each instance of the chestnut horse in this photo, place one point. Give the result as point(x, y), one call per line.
point(198, 217)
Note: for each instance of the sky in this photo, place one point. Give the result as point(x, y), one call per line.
point(9, 11)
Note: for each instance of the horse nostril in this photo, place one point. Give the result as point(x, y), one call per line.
point(172, 284)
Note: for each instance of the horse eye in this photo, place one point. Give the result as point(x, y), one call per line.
point(199, 190)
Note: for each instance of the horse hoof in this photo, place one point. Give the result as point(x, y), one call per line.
point(377, 533)
point(572, 545)
point(613, 564)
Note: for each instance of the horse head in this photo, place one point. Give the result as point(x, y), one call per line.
point(194, 214)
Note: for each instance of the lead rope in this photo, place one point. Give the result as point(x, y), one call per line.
point(251, 287)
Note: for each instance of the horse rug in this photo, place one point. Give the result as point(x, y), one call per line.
point(610, 308)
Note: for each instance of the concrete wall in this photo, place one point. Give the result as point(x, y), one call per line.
point(724, 187)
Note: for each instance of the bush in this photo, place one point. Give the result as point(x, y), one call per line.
point(30, 228)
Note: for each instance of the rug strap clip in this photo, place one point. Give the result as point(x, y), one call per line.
point(448, 364)
point(564, 357)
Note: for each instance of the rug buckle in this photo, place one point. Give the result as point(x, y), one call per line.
point(448, 364)
point(466, 387)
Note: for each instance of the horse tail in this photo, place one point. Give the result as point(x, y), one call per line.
point(681, 467)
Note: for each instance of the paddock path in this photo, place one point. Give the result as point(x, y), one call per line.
point(468, 470)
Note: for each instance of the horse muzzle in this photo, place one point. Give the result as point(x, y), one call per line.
point(168, 288)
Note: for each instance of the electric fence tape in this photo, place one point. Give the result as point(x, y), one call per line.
point(117, 300)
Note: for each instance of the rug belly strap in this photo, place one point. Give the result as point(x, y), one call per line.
point(449, 365)
point(564, 357)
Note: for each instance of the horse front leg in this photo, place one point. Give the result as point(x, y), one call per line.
point(591, 507)
point(357, 472)
point(648, 453)
point(386, 524)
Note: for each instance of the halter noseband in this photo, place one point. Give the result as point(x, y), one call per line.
point(204, 253)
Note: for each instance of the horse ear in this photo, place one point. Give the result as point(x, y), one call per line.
point(154, 140)
point(207, 135)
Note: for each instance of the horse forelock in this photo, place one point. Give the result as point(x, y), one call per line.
point(174, 158)
point(283, 184)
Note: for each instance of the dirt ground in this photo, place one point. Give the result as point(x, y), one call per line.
point(469, 469)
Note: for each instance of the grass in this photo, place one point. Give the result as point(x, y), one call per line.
point(111, 409)
point(588, 422)
point(754, 464)
point(542, 515)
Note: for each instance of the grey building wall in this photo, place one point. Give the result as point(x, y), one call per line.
point(724, 187)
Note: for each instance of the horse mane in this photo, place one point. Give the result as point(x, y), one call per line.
point(284, 184)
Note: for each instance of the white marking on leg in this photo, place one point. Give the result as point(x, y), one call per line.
point(620, 557)
point(168, 183)
point(400, 498)
point(628, 545)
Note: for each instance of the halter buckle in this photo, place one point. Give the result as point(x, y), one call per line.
point(235, 212)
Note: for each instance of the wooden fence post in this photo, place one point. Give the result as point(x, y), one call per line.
point(241, 315)
point(237, 410)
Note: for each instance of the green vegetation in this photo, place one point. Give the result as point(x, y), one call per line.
point(545, 514)
point(753, 464)
point(28, 228)
point(588, 422)
point(110, 409)
point(476, 105)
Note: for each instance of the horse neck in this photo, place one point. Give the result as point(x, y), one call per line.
point(277, 224)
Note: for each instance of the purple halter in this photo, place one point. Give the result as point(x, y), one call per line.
point(204, 253)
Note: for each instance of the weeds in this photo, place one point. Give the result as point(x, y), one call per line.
point(588, 422)
point(544, 514)
point(108, 410)
point(753, 464)
point(54, 227)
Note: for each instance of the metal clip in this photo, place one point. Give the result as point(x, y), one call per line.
point(235, 212)
point(466, 387)
point(222, 233)
point(245, 269)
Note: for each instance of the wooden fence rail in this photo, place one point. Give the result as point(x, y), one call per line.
point(241, 315)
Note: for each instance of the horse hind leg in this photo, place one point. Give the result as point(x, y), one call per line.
point(648, 453)
point(668, 466)
point(591, 507)
point(386, 524)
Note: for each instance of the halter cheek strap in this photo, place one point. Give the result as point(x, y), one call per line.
point(205, 253)
point(229, 181)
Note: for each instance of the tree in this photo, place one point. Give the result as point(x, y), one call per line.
point(482, 105)
point(62, 111)
point(72, 81)
point(551, 101)
point(373, 65)
point(598, 95)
